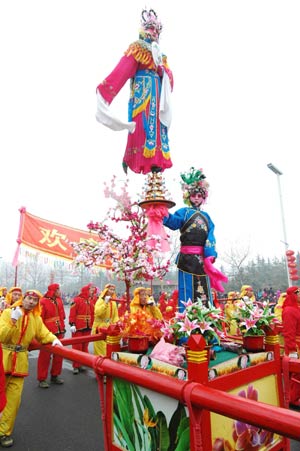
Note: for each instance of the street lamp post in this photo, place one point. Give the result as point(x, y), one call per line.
point(278, 174)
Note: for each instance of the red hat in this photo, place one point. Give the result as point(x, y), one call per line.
point(51, 289)
point(292, 290)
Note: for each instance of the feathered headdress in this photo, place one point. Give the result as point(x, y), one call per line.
point(194, 181)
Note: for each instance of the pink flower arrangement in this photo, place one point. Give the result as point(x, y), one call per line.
point(196, 319)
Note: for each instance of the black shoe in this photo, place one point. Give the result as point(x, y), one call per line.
point(82, 369)
point(56, 380)
point(75, 370)
point(6, 441)
point(155, 169)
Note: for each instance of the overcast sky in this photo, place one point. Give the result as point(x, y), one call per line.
point(236, 108)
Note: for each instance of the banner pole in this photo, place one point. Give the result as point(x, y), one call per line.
point(22, 210)
point(16, 276)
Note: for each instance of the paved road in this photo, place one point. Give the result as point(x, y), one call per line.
point(63, 417)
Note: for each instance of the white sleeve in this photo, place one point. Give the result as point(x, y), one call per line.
point(105, 117)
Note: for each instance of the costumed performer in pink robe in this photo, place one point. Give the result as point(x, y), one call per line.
point(149, 112)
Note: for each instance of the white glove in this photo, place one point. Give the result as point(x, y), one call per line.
point(107, 299)
point(2, 305)
point(57, 342)
point(73, 329)
point(293, 355)
point(16, 313)
point(150, 302)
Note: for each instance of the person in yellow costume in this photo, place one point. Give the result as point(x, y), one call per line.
point(229, 310)
point(3, 304)
point(142, 301)
point(246, 293)
point(105, 313)
point(13, 295)
point(278, 307)
point(19, 325)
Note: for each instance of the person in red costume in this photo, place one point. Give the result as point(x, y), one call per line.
point(81, 319)
point(162, 302)
point(151, 82)
point(291, 334)
point(171, 307)
point(53, 316)
point(123, 305)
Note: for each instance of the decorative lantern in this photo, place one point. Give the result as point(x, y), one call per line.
point(293, 271)
point(294, 277)
point(289, 253)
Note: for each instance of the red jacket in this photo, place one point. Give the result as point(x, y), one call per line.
point(53, 314)
point(291, 324)
point(82, 310)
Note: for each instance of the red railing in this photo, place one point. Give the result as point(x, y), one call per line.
point(275, 419)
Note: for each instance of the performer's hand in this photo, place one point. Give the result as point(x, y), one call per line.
point(57, 342)
point(293, 355)
point(211, 258)
point(16, 313)
point(73, 329)
point(107, 299)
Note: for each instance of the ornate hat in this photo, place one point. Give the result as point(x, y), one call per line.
point(151, 26)
point(194, 181)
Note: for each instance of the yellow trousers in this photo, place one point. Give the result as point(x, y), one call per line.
point(13, 389)
point(100, 347)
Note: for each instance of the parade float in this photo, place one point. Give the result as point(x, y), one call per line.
point(185, 384)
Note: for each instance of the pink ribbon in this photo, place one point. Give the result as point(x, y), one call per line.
point(155, 215)
point(215, 276)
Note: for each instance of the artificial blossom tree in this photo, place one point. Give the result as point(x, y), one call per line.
point(131, 258)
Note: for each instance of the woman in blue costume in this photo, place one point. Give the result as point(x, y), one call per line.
point(196, 274)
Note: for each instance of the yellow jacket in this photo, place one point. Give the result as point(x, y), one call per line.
point(28, 327)
point(104, 314)
point(151, 310)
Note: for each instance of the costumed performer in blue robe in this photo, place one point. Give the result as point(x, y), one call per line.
point(196, 274)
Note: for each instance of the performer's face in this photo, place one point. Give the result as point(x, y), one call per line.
point(29, 302)
point(15, 296)
point(143, 297)
point(196, 199)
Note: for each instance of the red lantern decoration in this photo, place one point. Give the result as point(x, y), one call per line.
point(293, 271)
point(292, 265)
point(291, 259)
point(294, 277)
point(289, 253)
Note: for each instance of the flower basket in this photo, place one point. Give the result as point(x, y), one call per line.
point(138, 344)
point(254, 343)
point(196, 319)
point(253, 319)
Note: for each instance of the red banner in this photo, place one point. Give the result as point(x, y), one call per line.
point(49, 237)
